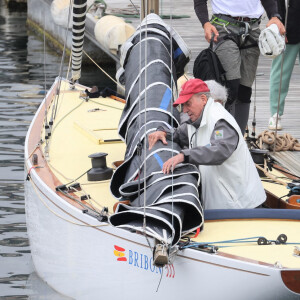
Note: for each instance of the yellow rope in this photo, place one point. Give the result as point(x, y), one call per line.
point(104, 71)
point(284, 142)
point(269, 175)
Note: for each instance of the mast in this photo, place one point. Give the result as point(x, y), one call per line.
point(78, 28)
point(152, 7)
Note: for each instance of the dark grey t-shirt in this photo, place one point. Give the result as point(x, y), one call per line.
point(215, 153)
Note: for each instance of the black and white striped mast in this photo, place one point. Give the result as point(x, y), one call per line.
point(78, 28)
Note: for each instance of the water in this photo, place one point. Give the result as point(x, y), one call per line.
point(23, 75)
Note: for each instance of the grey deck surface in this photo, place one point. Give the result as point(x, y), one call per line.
point(191, 31)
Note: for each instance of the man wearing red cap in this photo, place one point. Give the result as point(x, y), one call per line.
point(213, 140)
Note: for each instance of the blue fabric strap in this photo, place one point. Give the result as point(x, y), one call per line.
point(177, 52)
point(166, 99)
point(159, 160)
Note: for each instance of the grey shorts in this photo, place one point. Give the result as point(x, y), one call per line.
point(238, 63)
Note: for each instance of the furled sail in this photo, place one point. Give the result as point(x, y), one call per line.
point(79, 14)
point(169, 203)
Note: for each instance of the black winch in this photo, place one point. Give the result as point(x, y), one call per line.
point(99, 170)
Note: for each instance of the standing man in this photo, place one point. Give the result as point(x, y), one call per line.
point(291, 52)
point(235, 25)
point(213, 141)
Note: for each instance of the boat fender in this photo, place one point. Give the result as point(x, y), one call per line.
point(112, 32)
point(99, 170)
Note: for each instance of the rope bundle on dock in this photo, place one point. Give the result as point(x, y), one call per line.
point(284, 142)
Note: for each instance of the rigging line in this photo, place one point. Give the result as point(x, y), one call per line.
point(140, 117)
point(69, 67)
point(73, 180)
point(59, 216)
point(106, 105)
point(145, 113)
point(93, 202)
point(46, 125)
point(78, 201)
point(134, 6)
point(54, 110)
point(172, 111)
point(45, 77)
point(78, 177)
point(117, 83)
point(37, 146)
point(89, 200)
point(73, 109)
point(60, 104)
point(161, 275)
point(281, 70)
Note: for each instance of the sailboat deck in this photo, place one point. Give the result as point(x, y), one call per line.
point(78, 133)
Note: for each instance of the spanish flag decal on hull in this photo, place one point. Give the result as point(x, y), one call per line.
point(120, 253)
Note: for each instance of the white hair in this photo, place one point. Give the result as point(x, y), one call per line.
point(217, 91)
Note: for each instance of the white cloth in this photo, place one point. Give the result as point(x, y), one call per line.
point(270, 42)
point(235, 183)
point(238, 8)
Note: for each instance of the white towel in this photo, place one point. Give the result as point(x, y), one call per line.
point(270, 42)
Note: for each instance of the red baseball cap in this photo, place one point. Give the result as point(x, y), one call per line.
point(190, 88)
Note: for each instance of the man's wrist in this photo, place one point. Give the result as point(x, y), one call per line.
point(206, 24)
point(278, 16)
point(186, 154)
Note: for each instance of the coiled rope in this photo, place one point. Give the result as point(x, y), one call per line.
point(284, 142)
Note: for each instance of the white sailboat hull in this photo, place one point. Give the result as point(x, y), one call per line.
point(80, 262)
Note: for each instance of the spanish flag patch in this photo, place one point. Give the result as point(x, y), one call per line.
point(219, 134)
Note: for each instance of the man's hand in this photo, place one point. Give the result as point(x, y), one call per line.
point(209, 29)
point(279, 24)
point(157, 136)
point(171, 163)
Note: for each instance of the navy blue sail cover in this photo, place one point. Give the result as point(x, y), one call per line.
point(164, 206)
